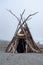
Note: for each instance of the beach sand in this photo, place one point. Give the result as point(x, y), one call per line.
point(21, 59)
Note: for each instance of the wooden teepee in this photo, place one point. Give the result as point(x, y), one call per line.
point(22, 41)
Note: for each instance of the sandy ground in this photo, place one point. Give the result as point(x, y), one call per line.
point(21, 59)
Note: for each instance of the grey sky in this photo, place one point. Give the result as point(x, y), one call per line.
point(8, 22)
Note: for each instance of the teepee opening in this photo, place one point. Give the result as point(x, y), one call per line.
point(21, 45)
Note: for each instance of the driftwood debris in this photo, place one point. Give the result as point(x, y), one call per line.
point(22, 41)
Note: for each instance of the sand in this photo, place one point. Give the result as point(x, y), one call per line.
point(21, 59)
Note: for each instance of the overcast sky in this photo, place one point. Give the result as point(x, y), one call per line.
point(8, 22)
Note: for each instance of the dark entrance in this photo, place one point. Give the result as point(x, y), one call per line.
point(21, 45)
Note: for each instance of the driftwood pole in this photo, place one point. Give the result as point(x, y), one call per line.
point(12, 41)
